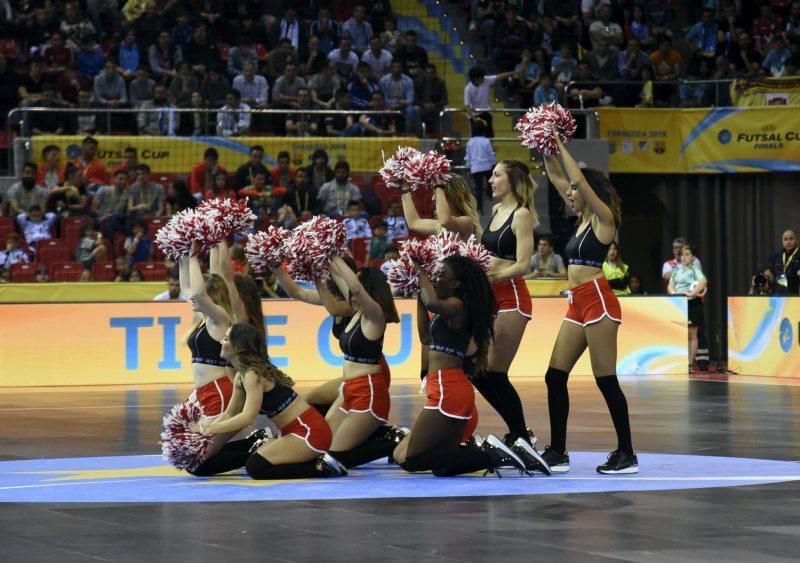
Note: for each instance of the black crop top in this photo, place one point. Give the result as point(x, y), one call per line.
point(205, 350)
point(501, 242)
point(446, 340)
point(585, 249)
point(357, 348)
point(337, 328)
point(277, 400)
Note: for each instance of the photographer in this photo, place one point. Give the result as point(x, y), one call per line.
point(763, 283)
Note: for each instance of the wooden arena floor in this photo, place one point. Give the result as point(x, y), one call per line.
point(705, 421)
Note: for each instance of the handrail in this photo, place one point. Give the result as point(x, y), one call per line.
point(592, 125)
point(715, 81)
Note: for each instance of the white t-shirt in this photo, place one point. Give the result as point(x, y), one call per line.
point(477, 97)
point(480, 155)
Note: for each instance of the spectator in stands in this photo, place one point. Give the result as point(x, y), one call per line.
point(259, 194)
point(142, 88)
point(567, 16)
point(327, 29)
point(530, 72)
point(283, 173)
point(164, 57)
point(563, 66)
point(239, 55)
point(279, 58)
point(378, 243)
point(792, 33)
point(46, 122)
point(71, 198)
point(410, 55)
point(359, 29)
point(694, 92)
point(766, 27)
point(604, 61)
point(762, 284)
point(303, 124)
point(481, 159)
point(316, 60)
point(173, 292)
point(375, 124)
point(200, 53)
point(343, 125)
point(219, 186)
point(109, 87)
point(285, 92)
point(703, 38)
point(511, 36)
point(639, 29)
point(430, 94)
point(344, 59)
point(32, 84)
point(544, 92)
point(334, 196)
point(12, 253)
point(9, 88)
point(616, 271)
point(666, 63)
point(392, 253)
point(56, 55)
point(52, 172)
point(546, 42)
point(398, 91)
point(786, 263)
point(362, 87)
point(319, 172)
point(68, 84)
point(182, 86)
point(246, 172)
point(157, 116)
point(36, 225)
point(324, 85)
point(390, 36)
point(253, 87)
point(130, 160)
point(777, 57)
point(743, 55)
point(658, 17)
point(91, 166)
point(138, 246)
point(545, 262)
point(378, 58)
point(86, 121)
point(234, 117)
point(632, 60)
point(181, 33)
point(584, 92)
point(605, 29)
point(122, 269)
point(669, 266)
point(129, 55)
point(476, 95)
point(178, 198)
point(214, 88)
point(688, 279)
point(110, 205)
point(145, 198)
point(75, 27)
point(202, 177)
point(355, 224)
point(301, 195)
point(396, 226)
point(90, 59)
point(102, 12)
point(26, 193)
point(90, 246)
point(636, 285)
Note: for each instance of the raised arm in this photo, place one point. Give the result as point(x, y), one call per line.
point(463, 225)
point(600, 209)
point(371, 310)
point(522, 227)
point(451, 308)
point(216, 316)
point(335, 307)
point(414, 221)
point(556, 175)
point(222, 256)
point(423, 323)
point(183, 276)
point(293, 290)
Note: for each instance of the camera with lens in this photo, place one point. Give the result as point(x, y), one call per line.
point(759, 280)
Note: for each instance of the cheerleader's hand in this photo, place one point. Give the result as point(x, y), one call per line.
point(195, 427)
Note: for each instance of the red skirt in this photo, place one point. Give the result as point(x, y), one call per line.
point(513, 295)
point(215, 396)
point(590, 302)
point(367, 393)
point(450, 392)
point(312, 428)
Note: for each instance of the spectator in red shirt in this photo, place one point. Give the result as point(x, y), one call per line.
point(766, 27)
point(51, 173)
point(260, 195)
point(283, 174)
point(202, 175)
point(91, 167)
point(56, 54)
point(219, 188)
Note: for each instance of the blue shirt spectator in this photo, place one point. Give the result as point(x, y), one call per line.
point(703, 35)
point(359, 30)
point(545, 93)
point(90, 60)
point(776, 57)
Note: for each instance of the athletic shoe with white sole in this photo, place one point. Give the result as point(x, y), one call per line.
point(510, 438)
point(619, 463)
point(259, 438)
point(330, 466)
point(532, 459)
point(558, 463)
point(501, 456)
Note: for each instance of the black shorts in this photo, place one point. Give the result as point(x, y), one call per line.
point(695, 312)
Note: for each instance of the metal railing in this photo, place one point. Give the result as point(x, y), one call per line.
point(719, 85)
point(592, 120)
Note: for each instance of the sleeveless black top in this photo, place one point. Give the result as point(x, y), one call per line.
point(205, 350)
point(357, 348)
point(585, 249)
point(277, 400)
point(337, 328)
point(446, 340)
point(502, 242)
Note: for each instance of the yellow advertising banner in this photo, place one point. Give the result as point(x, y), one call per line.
point(709, 140)
point(783, 91)
point(137, 343)
point(177, 155)
point(764, 336)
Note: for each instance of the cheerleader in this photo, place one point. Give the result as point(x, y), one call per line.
point(463, 308)
point(594, 313)
point(260, 387)
point(509, 239)
point(365, 402)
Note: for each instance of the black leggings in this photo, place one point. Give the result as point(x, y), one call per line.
point(434, 446)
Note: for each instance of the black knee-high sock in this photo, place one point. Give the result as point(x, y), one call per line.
point(259, 468)
point(558, 405)
point(618, 407)
point(233, 455)
point(366, 452)
point(505, 400)
point(448, 461)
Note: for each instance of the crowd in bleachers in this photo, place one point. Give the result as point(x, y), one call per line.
point(211, 55)
point(586, 53)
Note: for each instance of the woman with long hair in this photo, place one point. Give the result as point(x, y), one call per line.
point(463, 308)
point(260, 387)
point(688, 279)
point(364, 392)
point(616, 271)
point(509, 239)
point(594, 312)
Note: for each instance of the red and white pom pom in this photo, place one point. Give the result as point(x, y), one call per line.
point(402, 276)
point(402, 273)
point(475, 251)
point(536, 128)
point(181, 447)
point(234, 216)
point(176, 237)
point(267, 249)
point(313, 245)
point(394, 168)
point(428, 170)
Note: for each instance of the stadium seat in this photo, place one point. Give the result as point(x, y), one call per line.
point(7, 227)
point(358, 180)
point(118, 245)
point(152, 271)
point(153, 224)
point(377, 263)
point(23, 273)
point(71, 231)
point(66, 271)
point(359, 248)
point(103, 271)
point(50, 251)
